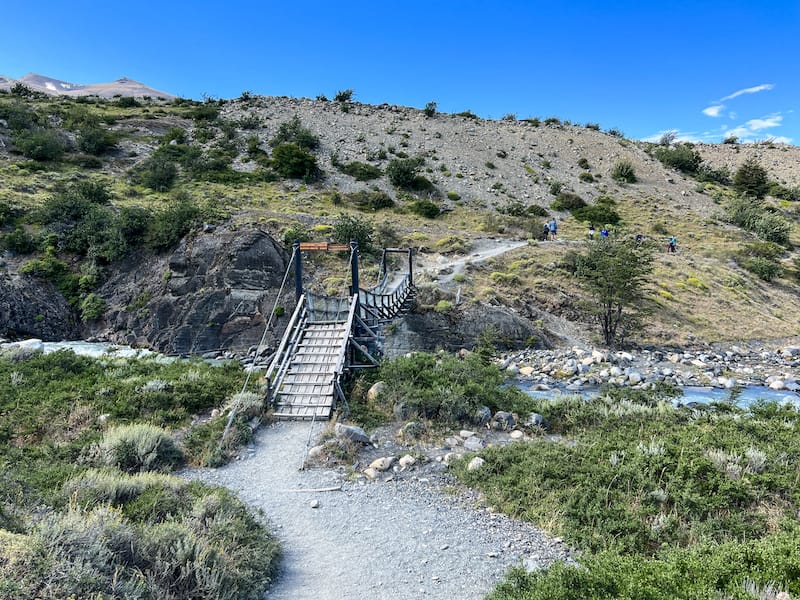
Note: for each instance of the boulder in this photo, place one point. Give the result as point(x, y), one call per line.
point(375, 391)
point(503, 420)
point(474, 444)
point(483, 415)
point(352, 433)
point(475, 464)
point(382, 464)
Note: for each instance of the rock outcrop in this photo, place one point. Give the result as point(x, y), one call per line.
point(31, 307)
point(214, 292)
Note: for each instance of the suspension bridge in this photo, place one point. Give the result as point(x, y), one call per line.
point(327, 337)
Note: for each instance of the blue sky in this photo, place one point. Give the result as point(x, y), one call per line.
point(703, 69)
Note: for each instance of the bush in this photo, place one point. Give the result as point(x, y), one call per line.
point(430, 109)
point(583, 163)
point(19, 241)
point(294, 162)
point(773, 227)
point(424, 208)
point(347, 228)
point(171, 224)
point(293, 132)
point(95, 140)
point(40, 144)
point(296, 233)
point(157, 173)
point(597, 213)
point(568, 201)
point(361, 171)
point(138, 447)
point(765, 268)
point(586, 177)
point(682, 157)
point(446, 387)
point(402, 172)
point(343, 96)
point(623, 172)
point(92, 307)
point(751, 179)
point(371, 200)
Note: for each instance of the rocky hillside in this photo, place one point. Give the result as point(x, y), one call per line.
point(260, 170)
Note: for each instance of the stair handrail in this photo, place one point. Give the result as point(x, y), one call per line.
point(280, 357)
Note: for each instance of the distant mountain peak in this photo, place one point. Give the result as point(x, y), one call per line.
point(123, 86)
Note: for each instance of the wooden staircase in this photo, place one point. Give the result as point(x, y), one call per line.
point(308, 389)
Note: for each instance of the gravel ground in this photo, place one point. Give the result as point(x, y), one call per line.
point(411, 537)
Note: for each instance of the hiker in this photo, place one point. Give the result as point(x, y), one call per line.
point(604, 232)
point(591, 231)
point(553, 229)
point(672, 244)
point(639, 238)
point(545, 235)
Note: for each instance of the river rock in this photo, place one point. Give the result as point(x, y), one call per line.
point(406, 461)
point(483, 415)
point(475, 464)
point(352, 433)
point(375, 390)
point(503, 420)
point(382, 464)
point(473, 444)
point(516, 435)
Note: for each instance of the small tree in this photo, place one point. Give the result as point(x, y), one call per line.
point(623, 172)
point(430, 109)
point(614, 272)
point(348, 228)
point(751, 179)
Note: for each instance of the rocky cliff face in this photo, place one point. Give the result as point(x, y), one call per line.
point(214, 292)
point(30, 307)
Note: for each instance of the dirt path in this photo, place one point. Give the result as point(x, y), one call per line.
point(403, 539)
point(443, 267)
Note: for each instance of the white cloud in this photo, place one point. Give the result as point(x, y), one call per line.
point(714, 110)
point(773, 120)
point(751, 90)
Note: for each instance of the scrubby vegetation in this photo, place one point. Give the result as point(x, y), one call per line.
point(83, 511)
point(652, 492)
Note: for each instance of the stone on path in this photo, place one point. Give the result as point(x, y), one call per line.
point(352, 433)
point(475, 464)
point(382, 464)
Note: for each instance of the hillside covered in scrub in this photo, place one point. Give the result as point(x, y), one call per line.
point(150, 221)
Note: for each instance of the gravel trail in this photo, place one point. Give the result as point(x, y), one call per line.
point(411, 537)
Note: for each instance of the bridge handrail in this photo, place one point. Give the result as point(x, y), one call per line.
point(281, 351)
point(340, 359)
point(392, 301)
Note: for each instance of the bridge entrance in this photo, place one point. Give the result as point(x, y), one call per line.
point(329, 337)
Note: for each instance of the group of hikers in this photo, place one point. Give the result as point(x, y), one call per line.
point(550, 232)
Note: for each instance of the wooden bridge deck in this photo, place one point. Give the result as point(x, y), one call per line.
point(308, 388)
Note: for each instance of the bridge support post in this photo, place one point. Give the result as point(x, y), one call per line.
point(354, 265)
point(298, 270)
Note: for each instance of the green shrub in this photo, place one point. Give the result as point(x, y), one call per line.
point(430, 109)
point(586, 177)
point(445, 387)
point(371, 199)
point(138, 447)
point(156, 172)
point(127, 102)
point(343, 96)
point(168, 226)
point(567, 201)
point(92, 307)
point(95, 140)
point(765, 268)
point(751, 179)
point(706, 173)
point(623, 172)
point(19, 241)
point(424, 208)
point(347, 228)
point(583, 163)
point(40, 144)
point(597, 213)
point(682, 157)
point(294, 162)
point(361, 171)
point(295, 233)
point(773, 227)
point(403, 172)
point(293, 132)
